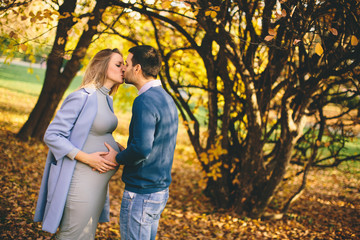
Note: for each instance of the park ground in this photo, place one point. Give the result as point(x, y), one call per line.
point(328, 209)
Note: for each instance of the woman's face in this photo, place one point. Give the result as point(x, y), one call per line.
point(114, 73)
point(128, 70)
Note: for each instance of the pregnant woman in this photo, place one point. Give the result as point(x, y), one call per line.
point(74, 189)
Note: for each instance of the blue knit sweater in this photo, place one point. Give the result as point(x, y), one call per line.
point(150, 149)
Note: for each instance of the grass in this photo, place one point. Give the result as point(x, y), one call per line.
point(27, 80)
point(22, 79)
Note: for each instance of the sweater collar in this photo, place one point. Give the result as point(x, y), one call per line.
point(148, 85)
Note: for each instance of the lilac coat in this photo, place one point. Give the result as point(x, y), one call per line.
point(68, 130)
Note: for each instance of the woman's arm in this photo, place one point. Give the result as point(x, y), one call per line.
point(58, 133)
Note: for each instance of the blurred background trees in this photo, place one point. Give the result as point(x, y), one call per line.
point(259, 84)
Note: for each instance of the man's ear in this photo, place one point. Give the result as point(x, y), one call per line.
point(137, 68)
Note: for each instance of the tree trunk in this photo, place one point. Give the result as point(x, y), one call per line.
point(57, 81)
point(44, 109)
point(219, 192)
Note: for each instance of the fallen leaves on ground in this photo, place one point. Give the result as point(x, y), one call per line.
point(328, 209)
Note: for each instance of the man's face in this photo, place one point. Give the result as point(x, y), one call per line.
point(128, 70)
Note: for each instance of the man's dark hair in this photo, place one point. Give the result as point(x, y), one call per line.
point(148, 58)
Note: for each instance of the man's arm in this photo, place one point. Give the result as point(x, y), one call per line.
point(144, 121)
point(143, 131)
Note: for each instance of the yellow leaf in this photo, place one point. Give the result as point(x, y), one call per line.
point(30, 70)
point(277, 16)
point(236, 182)
point(333, 31)
point(66, 15)
point(318, 49)
point(296, 41)
point(70, 32)
point(32, 58)
point(12, 34)
point(114, 230)
point(23, 47)
point(272, 32)
point(213, 14)
point(233, 168)
point(269, 37)
point(61, 41)
point(208, 13)
point(165, 4)
point(354, 41)
point(318, 143)
point(292, 11)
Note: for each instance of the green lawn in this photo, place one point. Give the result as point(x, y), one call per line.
point(19, 79)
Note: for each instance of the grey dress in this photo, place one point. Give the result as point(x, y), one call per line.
point(88, 189)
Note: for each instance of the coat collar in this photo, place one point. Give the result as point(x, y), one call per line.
point(90, 89)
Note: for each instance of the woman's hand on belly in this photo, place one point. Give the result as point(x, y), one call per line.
point(97, 161)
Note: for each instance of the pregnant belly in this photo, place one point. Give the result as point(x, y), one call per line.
point(95, 143)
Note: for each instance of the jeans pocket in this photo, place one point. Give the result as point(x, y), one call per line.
point(153, 208)
point(126, 201)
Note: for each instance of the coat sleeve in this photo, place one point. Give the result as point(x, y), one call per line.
point(58, 132)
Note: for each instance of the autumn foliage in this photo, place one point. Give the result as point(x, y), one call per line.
point(329, 208)
point(260, 85)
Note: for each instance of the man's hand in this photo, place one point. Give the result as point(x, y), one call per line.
point(121, 147)
point(111, 155)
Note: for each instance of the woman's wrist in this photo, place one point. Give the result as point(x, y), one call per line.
point(83, 157)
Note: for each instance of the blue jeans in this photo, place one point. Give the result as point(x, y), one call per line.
point(140, 214)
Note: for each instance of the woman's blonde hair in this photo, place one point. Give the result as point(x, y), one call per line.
point(95, 73)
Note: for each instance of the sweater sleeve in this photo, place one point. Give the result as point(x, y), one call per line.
point(58, 132)
point(143, 125)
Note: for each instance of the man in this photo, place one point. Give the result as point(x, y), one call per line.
point(149, 154)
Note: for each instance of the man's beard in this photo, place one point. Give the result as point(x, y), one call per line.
point(128, 80)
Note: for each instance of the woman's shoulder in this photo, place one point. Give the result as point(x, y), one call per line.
point(79, 95)
point(81, 92)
